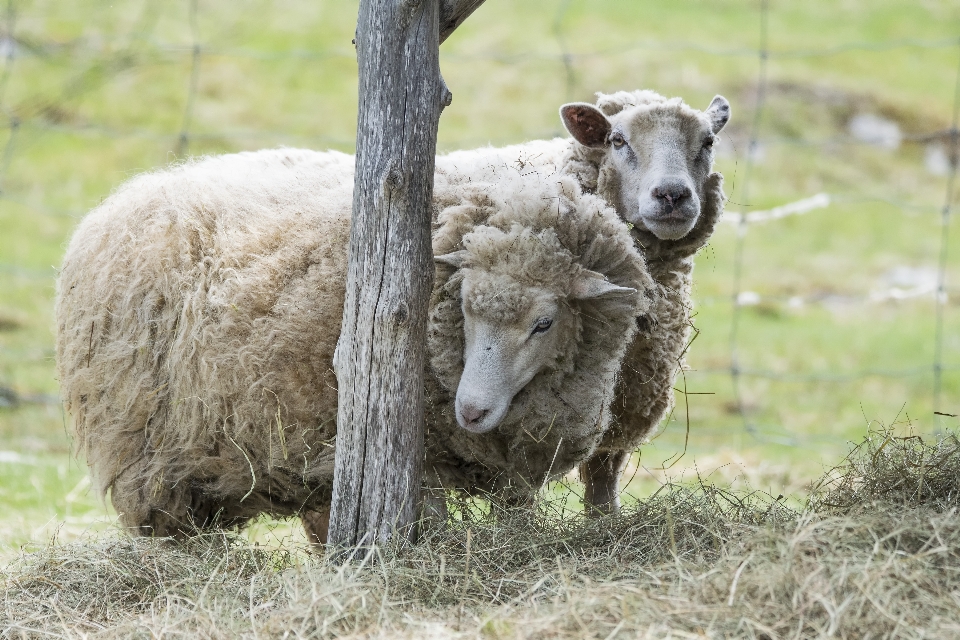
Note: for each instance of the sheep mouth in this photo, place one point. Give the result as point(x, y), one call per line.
point(672, 214)
point(670, 225)
point(477, 428)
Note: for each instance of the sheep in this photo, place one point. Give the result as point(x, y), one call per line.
point(510, 246)
point(650, 158)
point(198, 309)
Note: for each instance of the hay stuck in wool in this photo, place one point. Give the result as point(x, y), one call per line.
point(690, 561)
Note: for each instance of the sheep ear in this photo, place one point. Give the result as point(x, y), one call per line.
point(719, 113)
point(593, 285)
point(586, 123)
point(455, 259)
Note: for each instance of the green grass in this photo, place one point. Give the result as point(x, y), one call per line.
point(101, 92)
point(45, 495)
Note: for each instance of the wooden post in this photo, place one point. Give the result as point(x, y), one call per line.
point(380, 356)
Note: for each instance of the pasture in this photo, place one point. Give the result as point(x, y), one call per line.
point(834, 333)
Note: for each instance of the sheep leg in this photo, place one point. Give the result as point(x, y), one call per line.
point(434, 509)
point(601, 477)
point(316, 524)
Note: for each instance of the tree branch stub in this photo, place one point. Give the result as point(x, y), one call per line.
point(453, 13)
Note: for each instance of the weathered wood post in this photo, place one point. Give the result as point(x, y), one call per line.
point(380, 356)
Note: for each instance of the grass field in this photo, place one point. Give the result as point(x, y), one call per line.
point(93, 93)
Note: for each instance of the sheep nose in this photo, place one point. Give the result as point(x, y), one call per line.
point(671, 195)
point(472, 414)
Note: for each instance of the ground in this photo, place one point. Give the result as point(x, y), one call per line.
point(873, 553)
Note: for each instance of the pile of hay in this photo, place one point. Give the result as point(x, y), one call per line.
point(874, 553)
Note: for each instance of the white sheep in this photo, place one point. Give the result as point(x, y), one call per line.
point(650, 158)
point(198, 309)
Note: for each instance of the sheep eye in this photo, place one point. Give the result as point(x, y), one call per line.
point(542, 325)
point(617, 140)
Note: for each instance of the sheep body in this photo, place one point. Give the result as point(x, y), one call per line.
point(199, 307)
point(183, 307)
point(645, 393)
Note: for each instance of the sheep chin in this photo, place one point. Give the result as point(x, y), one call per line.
point(670, 227)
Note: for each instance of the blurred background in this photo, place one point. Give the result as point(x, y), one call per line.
point(818, 312)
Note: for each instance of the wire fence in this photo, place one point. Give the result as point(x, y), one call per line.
point(31, 122)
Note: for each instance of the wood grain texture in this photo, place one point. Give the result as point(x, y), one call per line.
point(381, 352)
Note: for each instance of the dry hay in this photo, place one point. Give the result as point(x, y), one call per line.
point(874, 554)
point(895, 470)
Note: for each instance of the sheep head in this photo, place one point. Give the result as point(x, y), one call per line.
point(657, 155)
point(519, 295)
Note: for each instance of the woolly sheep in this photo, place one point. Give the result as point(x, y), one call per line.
point(199, 307)
point(650, 158)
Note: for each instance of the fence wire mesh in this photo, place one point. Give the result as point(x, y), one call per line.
point(39, 116)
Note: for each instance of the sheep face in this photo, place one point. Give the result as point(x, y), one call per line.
point(519, 291)
point(511, 332)
point(658, 154)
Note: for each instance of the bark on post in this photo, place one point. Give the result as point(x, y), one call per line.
point(380, 355)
